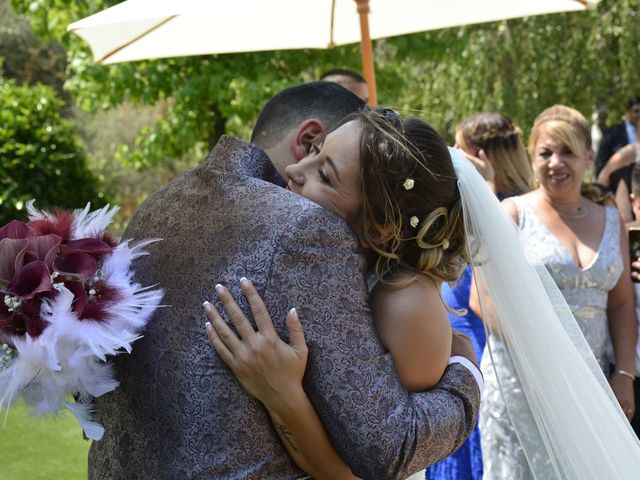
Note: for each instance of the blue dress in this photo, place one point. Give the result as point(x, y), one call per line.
point(466, 462)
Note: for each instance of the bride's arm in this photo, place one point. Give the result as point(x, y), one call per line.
point(273, 375)
point(413, 325)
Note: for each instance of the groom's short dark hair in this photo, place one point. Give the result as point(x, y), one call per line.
point(326, 101)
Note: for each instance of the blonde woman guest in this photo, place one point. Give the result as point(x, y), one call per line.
point(581, 243)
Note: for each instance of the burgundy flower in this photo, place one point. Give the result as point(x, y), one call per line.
point(11, 258)
point(26, 319)
point(76, 266)
point(32, 279)
point(15, 229)
point(91, 246)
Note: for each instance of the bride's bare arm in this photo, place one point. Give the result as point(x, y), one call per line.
point(271, 371)
point(413, 325)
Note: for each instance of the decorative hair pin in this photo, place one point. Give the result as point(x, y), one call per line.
point(408, 184)
point(413, 221)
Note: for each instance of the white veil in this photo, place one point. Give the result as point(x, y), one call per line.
point(582, 432)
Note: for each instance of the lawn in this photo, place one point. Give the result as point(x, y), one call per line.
point(41, 448)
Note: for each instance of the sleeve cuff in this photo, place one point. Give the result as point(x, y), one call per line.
point(468, 364)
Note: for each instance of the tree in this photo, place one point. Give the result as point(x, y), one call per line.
point(40, 156)
point(518, 67)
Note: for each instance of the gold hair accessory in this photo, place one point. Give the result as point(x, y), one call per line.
point(413, 221)
point(408, 184)
point(445, 244)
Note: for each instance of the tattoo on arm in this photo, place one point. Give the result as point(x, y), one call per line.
point(286, 434)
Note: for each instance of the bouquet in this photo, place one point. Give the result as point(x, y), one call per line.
point(67, 302)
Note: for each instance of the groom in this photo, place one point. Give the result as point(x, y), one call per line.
point(179, 413)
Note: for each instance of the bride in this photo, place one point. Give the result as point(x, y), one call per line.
point(580, 428)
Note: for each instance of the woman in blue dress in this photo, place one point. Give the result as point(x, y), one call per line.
point(492, 142)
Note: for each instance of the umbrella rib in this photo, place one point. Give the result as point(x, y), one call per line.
point(333, 16)
point(135, 39)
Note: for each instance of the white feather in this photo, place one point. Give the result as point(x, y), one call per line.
point(82, 411)
point(35, 214)
point(92, 223)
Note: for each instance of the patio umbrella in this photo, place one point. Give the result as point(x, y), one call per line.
point(146, 29)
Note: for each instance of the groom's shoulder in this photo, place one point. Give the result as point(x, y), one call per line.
point(302, 215)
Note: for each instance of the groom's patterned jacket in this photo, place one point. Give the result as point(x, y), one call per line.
point(179, 413)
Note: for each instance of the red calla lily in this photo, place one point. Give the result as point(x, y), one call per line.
point(91, 246)
point(78, 266)
point(32, 279)
point(15, 229)
point(11, 258)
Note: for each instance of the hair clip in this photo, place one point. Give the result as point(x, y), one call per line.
point(413, 221)
point(409, 183)
point(445, 244)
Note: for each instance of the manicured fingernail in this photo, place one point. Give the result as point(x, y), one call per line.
point(244, 282)
point(206, 304)
point(219, 288)
point(207, 325)
point(293, 312)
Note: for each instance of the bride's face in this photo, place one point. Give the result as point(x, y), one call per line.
point(330, 174)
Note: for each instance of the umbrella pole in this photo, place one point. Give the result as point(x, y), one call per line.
point(367, 51)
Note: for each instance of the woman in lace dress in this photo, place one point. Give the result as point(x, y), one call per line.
point(580, 242)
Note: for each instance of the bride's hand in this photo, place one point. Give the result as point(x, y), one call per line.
point(267, 368)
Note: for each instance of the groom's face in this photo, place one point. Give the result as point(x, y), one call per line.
point(330, 174)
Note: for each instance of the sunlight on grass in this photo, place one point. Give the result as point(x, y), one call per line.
point(50, 448)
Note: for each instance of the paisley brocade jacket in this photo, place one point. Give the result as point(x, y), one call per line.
point(179, 413)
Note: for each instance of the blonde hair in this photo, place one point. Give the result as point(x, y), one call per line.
point(418, 228)
point(501, 140)
point(567, 125)
point(570, 127)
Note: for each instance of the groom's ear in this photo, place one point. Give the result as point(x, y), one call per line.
point(309, 132)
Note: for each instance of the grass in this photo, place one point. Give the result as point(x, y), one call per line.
point(50, 448)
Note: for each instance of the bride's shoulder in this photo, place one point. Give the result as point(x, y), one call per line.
point(407, 292)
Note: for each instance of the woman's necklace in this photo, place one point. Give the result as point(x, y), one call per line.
point(580, 213)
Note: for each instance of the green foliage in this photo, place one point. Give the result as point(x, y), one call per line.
point(518, 67)
point(40, 156)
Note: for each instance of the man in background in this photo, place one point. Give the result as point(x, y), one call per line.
point(617, 136)
point(352, 81)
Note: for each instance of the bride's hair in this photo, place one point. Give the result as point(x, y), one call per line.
point(412, 213)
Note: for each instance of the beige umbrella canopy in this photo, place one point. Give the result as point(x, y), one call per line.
point(146, 29)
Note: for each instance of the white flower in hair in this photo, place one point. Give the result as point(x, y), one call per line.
point(408, 184)
point(413, 221)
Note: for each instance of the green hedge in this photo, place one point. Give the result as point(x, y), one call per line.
point(40, 155)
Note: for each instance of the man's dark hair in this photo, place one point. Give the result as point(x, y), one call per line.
point(633, 101)
point(326, 101)
point(344, 72)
